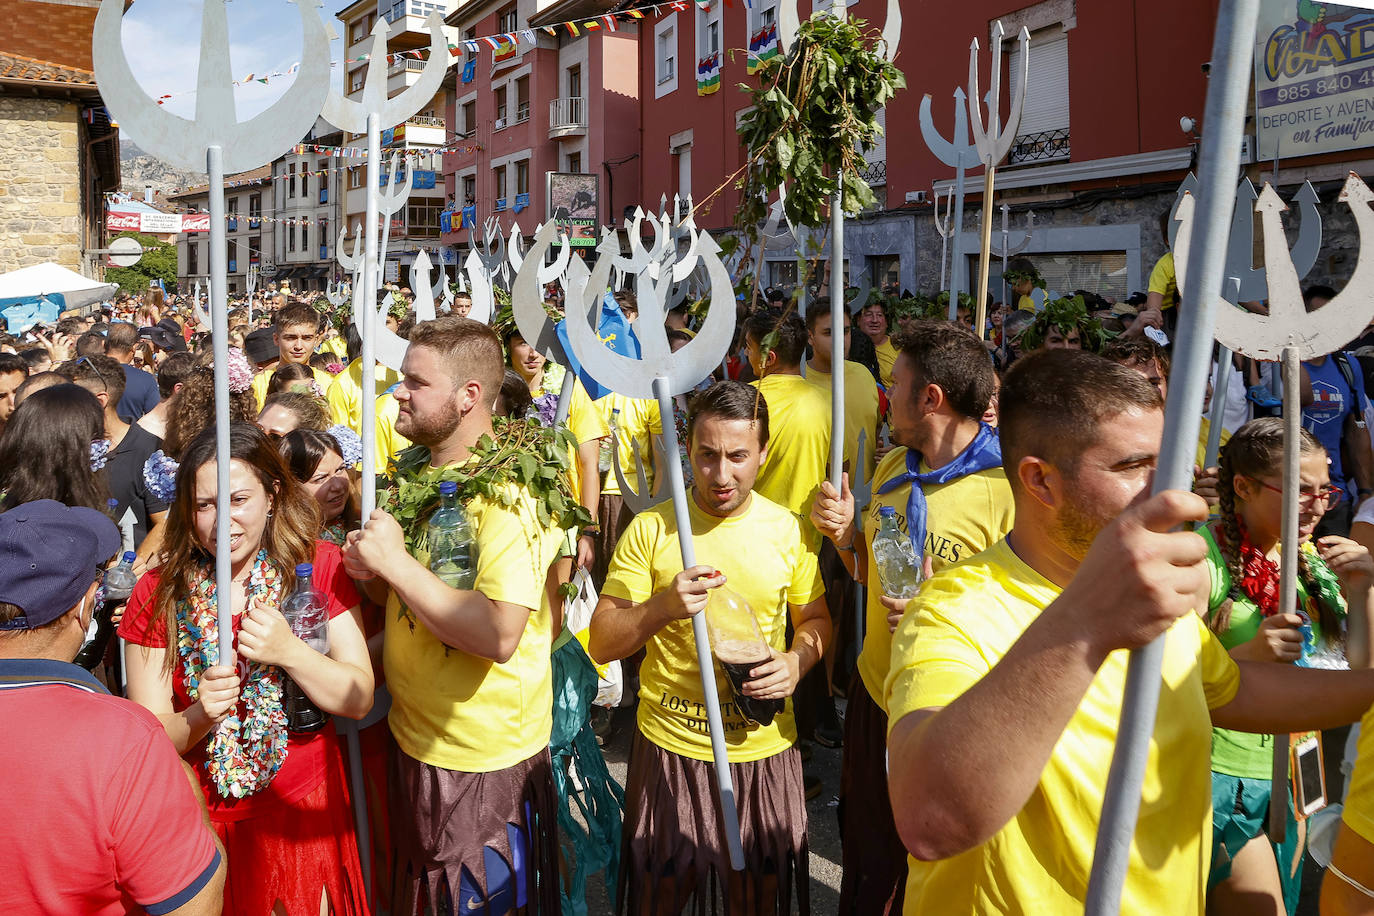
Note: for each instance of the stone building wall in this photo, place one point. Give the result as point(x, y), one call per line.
point(40, 182)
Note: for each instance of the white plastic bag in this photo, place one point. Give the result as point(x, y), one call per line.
point(577, 611)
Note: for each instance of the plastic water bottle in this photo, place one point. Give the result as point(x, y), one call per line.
point(116, 587)
point(452, 553)
point(899, 566)
point(308, 618)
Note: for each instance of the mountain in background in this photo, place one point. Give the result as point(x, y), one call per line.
point(138, 170)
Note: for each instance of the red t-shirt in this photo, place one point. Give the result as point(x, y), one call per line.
point(99, 817)
point(304, 767)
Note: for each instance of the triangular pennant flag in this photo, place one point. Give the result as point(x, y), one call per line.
point(572, 27)
point(551, 30)
point(610, 22)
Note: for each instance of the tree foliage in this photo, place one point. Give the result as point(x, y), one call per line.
point(814, 116)
point(159, 262)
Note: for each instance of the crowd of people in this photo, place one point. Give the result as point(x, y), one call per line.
point(458, 711)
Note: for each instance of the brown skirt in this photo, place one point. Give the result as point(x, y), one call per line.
point(873, 857)
point(674, 846)
point(613, 517)
point(474, 843)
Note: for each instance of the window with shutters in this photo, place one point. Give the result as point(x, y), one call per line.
point(1043, 134)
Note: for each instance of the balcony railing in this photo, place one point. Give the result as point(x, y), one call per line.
point(567, 117)
point(1040, 147)
point(522, 112)
point(404, 64)
point(874, 172)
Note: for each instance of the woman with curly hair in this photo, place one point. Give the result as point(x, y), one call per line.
point(52, 448)
point(267, 761)
point(1330, 627)
point(192, 409)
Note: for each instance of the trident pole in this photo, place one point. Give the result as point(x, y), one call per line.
point(1220, 158)
point(1288, 560)
point(368, 331)
point(837, 311)
point(219, 324)
point(715, 725)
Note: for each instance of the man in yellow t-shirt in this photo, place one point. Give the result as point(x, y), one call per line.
point(345, 392)
point(295, 333)
point(389, 442)
point(945, 483)
point(799, 412)
point(873, 322)
point(766, 557)
point(468, 669)
point(1008, 669)
point(860, 390)
point(633, 422)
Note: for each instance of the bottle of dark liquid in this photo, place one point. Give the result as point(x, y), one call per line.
point(118, 585)
point(308, 618)
point(738, 646)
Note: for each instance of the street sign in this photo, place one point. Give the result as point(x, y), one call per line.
point(125, 252)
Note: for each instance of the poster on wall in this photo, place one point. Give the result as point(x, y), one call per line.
point(574, 201)
point(1314, 78)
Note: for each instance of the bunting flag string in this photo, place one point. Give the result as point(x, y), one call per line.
point(502, 45)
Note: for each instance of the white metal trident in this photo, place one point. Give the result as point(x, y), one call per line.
point(960, 155)
point(660, 374)
point(994, 142)
point(370, 115)
point(218, 142)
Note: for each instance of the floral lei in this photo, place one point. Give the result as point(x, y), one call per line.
point(1260, 576)
point(244, 754)
point(523, 454)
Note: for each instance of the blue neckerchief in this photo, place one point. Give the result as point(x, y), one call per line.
point(985, 451)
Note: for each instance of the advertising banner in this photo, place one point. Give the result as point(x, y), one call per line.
point(1314, 79)
point(574, 201)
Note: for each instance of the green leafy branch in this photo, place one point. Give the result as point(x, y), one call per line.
point(813, 118)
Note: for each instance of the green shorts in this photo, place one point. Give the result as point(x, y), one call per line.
point(1240, 812)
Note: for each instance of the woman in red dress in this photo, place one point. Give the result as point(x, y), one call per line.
point(276, 796)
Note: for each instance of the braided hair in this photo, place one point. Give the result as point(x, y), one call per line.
point(1254, 451)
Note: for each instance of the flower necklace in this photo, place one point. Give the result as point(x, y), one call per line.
point(1259, 575)
point(335, 533)
point(244, 754)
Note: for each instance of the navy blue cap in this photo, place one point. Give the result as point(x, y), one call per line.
point(49, 556)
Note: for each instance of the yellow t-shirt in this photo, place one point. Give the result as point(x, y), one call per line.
point(798, 441)
point(963, 622)
point(263, 378)
point(460, 712)
point(637, 419)
point(963, 517)
point(769, 559)
point(345, 393)
point(887, 358)
point(1359, 797)
point(389, 442)
point(860, 412)
point(1203, 431)
point(1163, 280)
point(584, 422)
point(336, 345)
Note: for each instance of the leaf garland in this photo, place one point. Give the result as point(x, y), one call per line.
point(522, 454)
point(813, 117)
point(1066, 314)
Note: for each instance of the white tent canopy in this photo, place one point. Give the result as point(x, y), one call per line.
point(49, 279)
point(39, 294)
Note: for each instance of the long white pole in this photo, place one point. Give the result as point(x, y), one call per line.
point(219, 326)
point(1220, 158)
point(715, 725)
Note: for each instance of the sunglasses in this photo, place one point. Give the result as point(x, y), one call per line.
point(90, 362)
